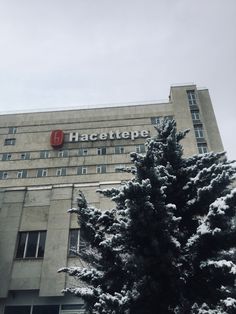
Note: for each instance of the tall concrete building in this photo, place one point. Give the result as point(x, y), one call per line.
point(46, 157)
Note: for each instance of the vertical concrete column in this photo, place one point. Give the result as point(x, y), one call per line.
point(183, 117)
point(208, 116)
point(11, 204)
point(56, 246)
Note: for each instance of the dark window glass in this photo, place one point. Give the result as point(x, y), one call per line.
point(102, 151)
point(191, 97)
point(155, 120)
point(10, 141)
point(81, 170)
point(17, 310)
point(21, 245)
point(41, 244)
point(25, 156)
point(202, 148)
point(72, 306)
point(140, 148)
point(44, 154)
point(42, 172)
point(22, 174)
point(101, 169)
point(12, 130)
point(46, 309)
point(32, 244)
point(3, 175)
point(73, 242)
point(6, 156)
point(119, 150)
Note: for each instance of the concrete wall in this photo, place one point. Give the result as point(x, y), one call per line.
point(41, 208)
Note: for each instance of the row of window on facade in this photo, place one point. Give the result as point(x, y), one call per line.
point(42, 172)
point(45, 309)
point(31, 244)
point(81, 152)
point(154, 120)
point(192, 99)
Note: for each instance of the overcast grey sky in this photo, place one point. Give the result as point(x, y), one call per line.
point(68, 53)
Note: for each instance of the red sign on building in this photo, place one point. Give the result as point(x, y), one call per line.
point(57, 139)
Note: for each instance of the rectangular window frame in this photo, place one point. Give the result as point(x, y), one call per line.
point(119, 167)
point(60, 172)
point(44, 154)
point(195, 115)
point(81, 170)
point(199, 132)
point(42, 173)
point(119, 150)
point(101, 169)
point(15, 309)
point(83, 152)
point(12, 130)
point(101, 150)
point(191, 94)
point(25, 156)
point(40, 235)
point(6, 156)
point(3, 175)
point(80, 244)
point(202, 148)
point(156, 120)
point(140, 149)
point(21, 174)
point(9, 141)
point(63, 153)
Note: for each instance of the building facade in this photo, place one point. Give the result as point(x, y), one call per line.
point(46, 158)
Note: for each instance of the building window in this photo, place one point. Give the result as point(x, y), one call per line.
point(61, 172)
point(70, 307)
point(82, 170)
point(76, 242)
point(21, 174)
point(119, 168)
point(102, 151)
point(191, 97)
point(46, 309)
point(12, 130)
point(101, 169)
point(83, 152)
point(44, 154)
point(6, 156)
point(195, 115)
point(202, 148)
point(140, 148)
point(156, 120)
point(63, 153)
point(119, 150)
point(25, 156)
point(199, 132)
point(32, 309)
point(42, 173)
point(31, 244)
point(9, 141)
point(3, 175)
point(18, 309)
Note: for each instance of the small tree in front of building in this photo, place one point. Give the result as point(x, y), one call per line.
point(168, 246)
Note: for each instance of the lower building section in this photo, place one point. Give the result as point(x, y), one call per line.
point(29, 302)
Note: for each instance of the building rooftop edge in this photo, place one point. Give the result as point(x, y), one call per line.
point(88, 107)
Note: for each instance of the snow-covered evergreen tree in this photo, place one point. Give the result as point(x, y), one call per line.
point(169, 245)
